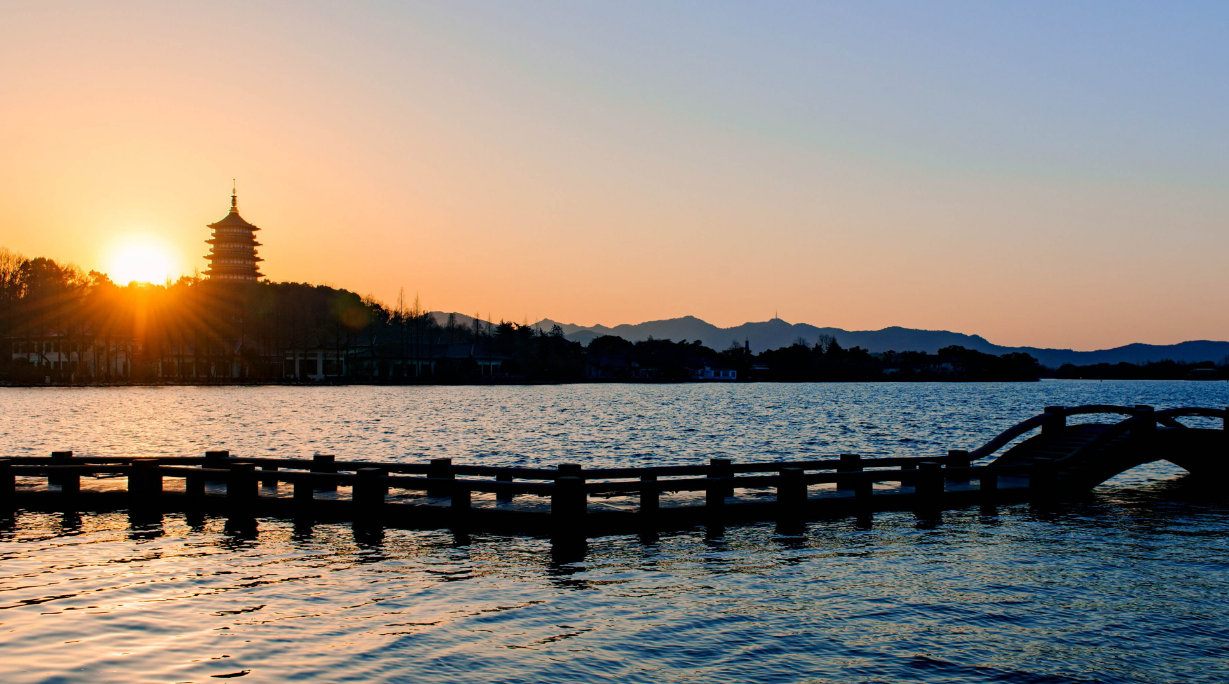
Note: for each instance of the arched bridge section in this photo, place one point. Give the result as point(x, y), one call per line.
point(1075, 457)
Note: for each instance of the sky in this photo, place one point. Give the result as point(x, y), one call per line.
point(1046, 173)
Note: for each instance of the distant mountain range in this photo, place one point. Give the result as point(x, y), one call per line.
point(777, 333)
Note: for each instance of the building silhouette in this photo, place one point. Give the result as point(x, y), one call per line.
point(232, 249)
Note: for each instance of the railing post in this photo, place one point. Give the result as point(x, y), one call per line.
point(461, 500)
point(70, 485)
point(849, 463)
point(722, 469)
point(988, 483)
point(440, 469)
point(650, 496)
point(241, 491)
point(864, 489)
point(304, 495)
point(217, 459)
point(959, 459)
point(8, 486)
point(325, 463)
point(569, 504)
point(1055, 420)
point(791, 494)
point(1224, 428)
point(929, 484)
point(1146, 427)
point(144, 482)
point(59, 458)
point(194, 488)
point(503, 496)
point(907, 477)
point(370, 489)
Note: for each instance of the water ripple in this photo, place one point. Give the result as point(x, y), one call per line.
point(1128, 586)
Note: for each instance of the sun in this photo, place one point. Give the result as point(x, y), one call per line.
point(141, 260)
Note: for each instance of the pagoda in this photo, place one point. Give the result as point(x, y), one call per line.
point(232, 251)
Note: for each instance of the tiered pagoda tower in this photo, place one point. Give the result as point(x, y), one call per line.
point(232, 251)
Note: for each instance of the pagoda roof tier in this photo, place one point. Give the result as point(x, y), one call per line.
point(249, 241)
point(233, 221)
point(234, 275)
point(234, 256)
point(232, 268)
point(213, 255)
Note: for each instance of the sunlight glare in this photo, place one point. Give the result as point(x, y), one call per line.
point(142, 260)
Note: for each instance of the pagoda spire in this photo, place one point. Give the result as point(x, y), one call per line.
point(234, 197)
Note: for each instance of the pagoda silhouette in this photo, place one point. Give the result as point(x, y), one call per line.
point(232, 251)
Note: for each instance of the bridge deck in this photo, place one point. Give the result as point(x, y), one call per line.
point(1061, 460)
point(1080, 457)
point(113, 489)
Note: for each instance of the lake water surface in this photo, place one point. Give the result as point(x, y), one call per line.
point(1130, 585)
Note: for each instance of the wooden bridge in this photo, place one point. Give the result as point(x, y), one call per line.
point(1061, 459)
point(1072, 459)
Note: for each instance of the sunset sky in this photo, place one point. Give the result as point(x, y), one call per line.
point(1050, 174)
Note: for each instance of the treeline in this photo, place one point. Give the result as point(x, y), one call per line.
point(61, 325)
point(1157, 370)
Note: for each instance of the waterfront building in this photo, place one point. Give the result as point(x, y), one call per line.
point(51, 357)
point(710, 373)
point(232, 249)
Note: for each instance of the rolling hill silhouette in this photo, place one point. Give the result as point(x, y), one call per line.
point(776, 333)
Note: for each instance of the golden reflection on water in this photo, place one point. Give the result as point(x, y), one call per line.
point(109, 597)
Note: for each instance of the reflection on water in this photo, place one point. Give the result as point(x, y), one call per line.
point(1127, 586)
point(1071, 594)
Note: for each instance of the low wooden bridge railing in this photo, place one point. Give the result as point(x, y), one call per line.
point(1144, 421)
point(439, 493)
point(778, 490)
point(1054, 420)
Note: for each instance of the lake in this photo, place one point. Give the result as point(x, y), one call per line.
point(1129, 585)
